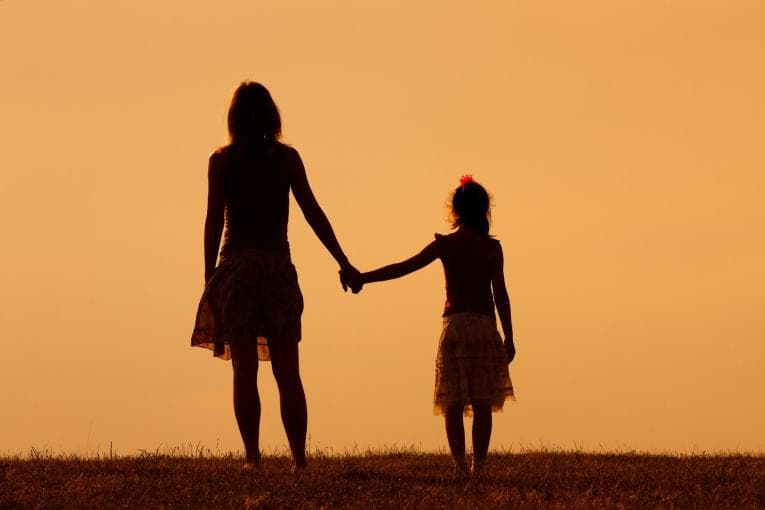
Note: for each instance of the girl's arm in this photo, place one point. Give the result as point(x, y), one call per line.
point(410, 265)
point(316, 217)
point(215, 208)
point(502, 300)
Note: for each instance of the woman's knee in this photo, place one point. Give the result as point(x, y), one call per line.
point(287, 377)
point(244, 359)
point(482, 410)
point(454, 412)
point(285, 364)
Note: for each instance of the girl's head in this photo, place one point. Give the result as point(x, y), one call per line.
point(471, 206)
point(253, 116)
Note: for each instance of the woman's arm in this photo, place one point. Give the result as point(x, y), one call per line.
point(215, 208)
point(410, 265)
point(502, 300)
point(314, 214)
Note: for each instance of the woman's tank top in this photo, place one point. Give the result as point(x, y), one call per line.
point(256, 188)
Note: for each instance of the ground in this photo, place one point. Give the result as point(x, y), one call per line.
point(399, 480)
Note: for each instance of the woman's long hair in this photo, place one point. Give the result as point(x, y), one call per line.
point(253, 117)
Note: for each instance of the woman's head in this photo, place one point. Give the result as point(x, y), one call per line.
point(471, 206)
point(253, 116)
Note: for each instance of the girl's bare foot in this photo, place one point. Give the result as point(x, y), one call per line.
point(478, 467)
point(476, 474)
point(461, 471)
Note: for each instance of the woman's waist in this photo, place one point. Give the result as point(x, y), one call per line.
point(232, 249)
point(261, 239)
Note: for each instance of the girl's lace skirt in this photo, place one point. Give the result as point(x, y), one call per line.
point(252, 296)
point(471, 367)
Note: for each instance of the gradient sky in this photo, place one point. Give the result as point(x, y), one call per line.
point(622, 141)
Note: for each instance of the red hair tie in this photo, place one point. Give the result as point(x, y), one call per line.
point(465, 179)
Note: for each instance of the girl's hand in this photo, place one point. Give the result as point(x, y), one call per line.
point(510, 349)
point(350, 277)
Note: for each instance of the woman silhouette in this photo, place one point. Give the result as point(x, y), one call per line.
point(251, 305)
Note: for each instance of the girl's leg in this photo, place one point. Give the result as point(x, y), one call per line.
point(455, 434)
point(244, 358)
point(286, 368)
point(481, 434)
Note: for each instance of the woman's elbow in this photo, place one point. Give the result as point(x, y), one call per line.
point(214, 217)
point(213, 225)
point(314, 214)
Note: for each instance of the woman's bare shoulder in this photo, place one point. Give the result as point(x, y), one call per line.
point(290, 157)
point(221, 154)
point(219, 161)
point(495, 249)
point(223, 150)
point(286, 149)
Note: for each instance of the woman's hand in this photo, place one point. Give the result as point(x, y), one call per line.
point(350, 277)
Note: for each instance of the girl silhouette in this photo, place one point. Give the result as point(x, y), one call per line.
point(472, 365)
point(251, 306)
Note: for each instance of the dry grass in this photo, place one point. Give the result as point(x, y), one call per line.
point(403, 479)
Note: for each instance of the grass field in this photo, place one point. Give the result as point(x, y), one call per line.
point(397, 480)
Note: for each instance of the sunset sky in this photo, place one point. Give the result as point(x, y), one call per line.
point(622, 143)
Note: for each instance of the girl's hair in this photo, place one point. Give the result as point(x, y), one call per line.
point(253, 116)
point(471, 206)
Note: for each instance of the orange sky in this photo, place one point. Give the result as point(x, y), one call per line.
point(622, 142)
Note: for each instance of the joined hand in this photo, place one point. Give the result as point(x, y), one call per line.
point(350, 277)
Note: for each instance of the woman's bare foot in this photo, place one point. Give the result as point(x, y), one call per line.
point(298, 471)
point(251, 465)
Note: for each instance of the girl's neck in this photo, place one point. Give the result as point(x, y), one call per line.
point(469, 231)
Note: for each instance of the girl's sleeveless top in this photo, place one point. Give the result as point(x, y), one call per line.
point(467, 268)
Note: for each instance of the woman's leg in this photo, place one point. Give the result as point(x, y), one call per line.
point(286, 367)
point(455, 434)
point(481, 434)
point(244, 358)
